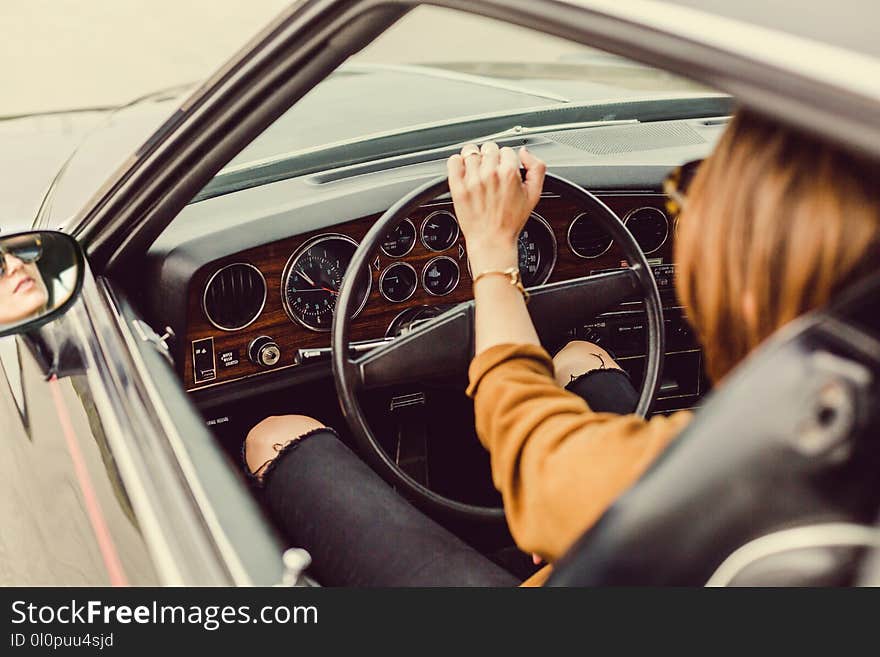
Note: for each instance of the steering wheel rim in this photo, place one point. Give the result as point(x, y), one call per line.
point(345, 370)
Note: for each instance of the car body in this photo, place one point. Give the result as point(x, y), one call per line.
point(119, 469)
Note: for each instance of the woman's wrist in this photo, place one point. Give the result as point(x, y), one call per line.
point(495, 259)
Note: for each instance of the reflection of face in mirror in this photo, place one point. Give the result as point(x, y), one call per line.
point(23, 292)
point(39, 273)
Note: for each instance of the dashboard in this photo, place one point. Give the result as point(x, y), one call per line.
point(271, 307)
point(247, 281)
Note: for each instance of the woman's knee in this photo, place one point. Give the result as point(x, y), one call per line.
point(579, 357)
point(266, 440)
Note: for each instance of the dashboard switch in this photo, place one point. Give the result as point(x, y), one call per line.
point(204, 364)
point(264, 351)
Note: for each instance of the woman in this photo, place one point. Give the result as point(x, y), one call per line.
point(23, 293)
point(773, 226)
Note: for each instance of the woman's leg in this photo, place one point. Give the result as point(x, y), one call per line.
point(588, 371)
point(359, 531)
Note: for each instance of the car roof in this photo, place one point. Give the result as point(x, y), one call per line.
point(828, 45)
point(846, 24)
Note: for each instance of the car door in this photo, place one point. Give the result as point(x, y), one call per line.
point(67, 518)
point(104, 480)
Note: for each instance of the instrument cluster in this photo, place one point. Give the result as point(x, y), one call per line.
point(273, 306)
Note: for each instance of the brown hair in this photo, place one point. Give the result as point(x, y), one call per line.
point(775, 223)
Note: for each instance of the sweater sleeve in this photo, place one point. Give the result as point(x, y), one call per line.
point(557, 464)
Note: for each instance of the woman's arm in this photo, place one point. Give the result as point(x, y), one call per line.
point(492, 204)
point(558, 464)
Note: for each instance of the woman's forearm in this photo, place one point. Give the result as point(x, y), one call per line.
point(501, 315)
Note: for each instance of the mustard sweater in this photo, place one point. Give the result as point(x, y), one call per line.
point(557, 464)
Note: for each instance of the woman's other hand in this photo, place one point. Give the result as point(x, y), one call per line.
point(492, 201)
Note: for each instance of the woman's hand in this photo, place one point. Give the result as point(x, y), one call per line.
point(493, 202)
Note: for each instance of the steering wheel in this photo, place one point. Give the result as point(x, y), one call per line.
point(444, 346)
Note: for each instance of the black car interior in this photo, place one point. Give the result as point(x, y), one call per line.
point(242, 360)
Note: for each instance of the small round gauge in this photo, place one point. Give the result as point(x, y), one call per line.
point(398, 282)
point(537, 251)
point(400, 240)
point(439, 230)
point(586, 238)
point(649, 226)
point(312, 278)
point(440, 276)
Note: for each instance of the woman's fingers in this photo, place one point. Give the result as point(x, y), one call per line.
point(489, 157)
point(471, 155)
point(455, 170)
point(509, 161)
point(535, 170)
point(469, 149)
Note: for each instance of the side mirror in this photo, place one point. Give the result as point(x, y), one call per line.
point(41, 275)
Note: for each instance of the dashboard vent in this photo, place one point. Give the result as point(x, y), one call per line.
point(628, 138)
point(235, 296)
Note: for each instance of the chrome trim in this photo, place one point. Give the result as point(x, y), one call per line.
point(839, 534)
point(222, 544)
point(412, 246)
point(549, 229)
point(454, 239)
point(457, 277)
point(213, 384)
point(355, 348)
point(389, 268)
point(572, 249)
point(661, 213)
point(305, 246)
point(211, 280)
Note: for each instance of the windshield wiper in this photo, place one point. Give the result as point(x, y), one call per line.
point(523, 131)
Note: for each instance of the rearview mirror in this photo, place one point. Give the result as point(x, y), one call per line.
point(41, 275)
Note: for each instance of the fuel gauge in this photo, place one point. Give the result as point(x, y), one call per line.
point(398, 282)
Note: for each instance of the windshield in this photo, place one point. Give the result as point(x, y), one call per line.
point(437, 68)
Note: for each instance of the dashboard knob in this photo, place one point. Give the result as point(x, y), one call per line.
point(264, 351)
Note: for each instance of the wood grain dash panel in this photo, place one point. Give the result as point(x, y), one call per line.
point(378, 313)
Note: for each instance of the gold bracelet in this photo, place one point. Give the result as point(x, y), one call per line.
point(511, 273)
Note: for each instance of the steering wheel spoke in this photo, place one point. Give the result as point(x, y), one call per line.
point(569, 302)
point(443, 347)
point(439, 348)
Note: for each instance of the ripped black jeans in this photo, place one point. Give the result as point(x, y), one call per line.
point(360, 532)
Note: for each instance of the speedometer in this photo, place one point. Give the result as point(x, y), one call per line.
point(536, 249)
point(312, 278)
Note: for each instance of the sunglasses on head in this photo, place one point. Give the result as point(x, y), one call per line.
point(28, 249)
point(675, 187)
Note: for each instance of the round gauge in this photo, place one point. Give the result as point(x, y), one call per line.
point(439, 230)
point(649, 226)
point(398, 282)
point(312, 278)
point(537, 251)
point(586, 238)
point(400, 240)
point(440, 276)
